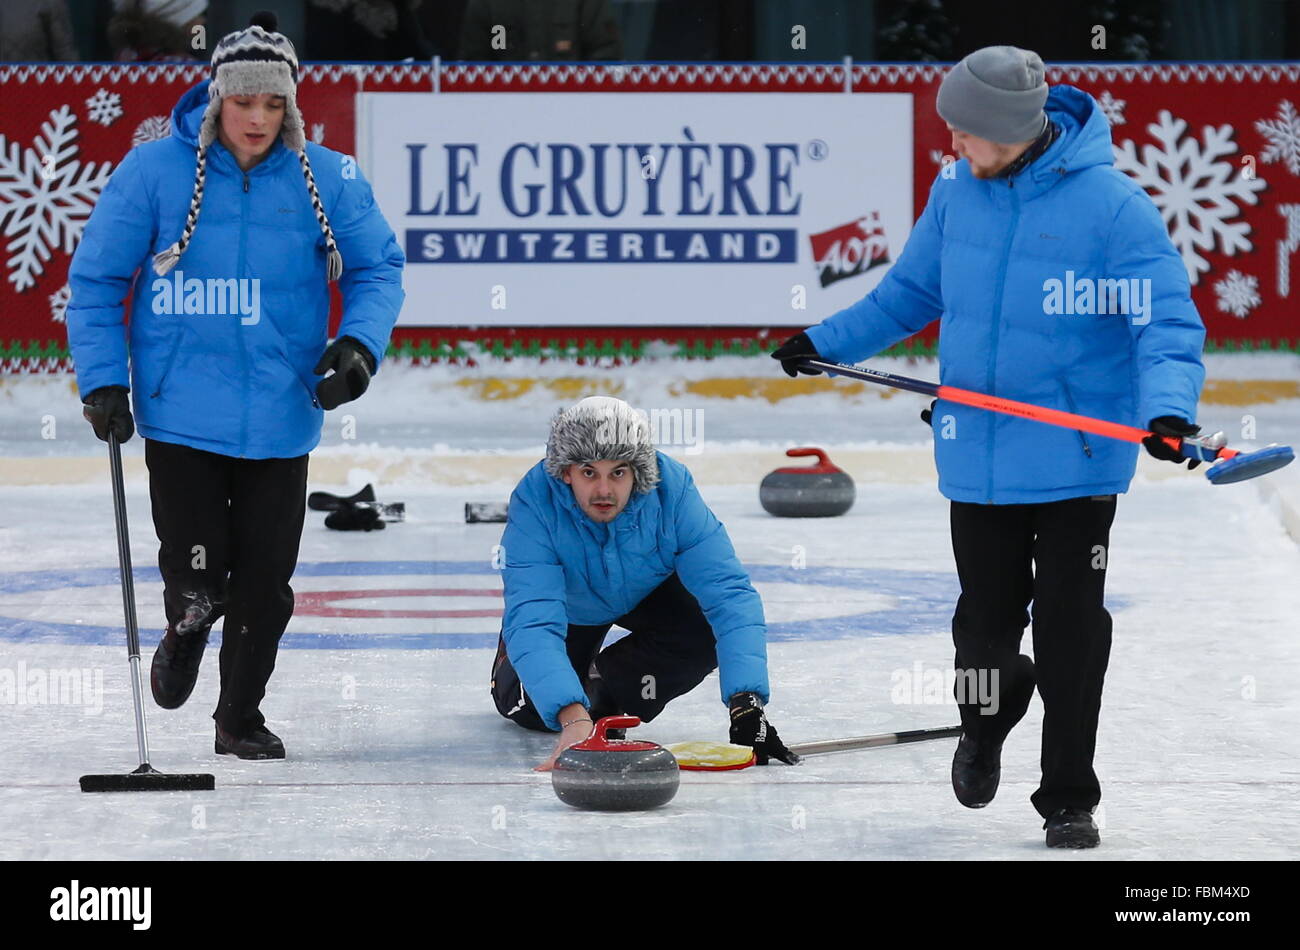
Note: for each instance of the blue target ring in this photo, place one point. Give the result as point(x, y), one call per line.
point(921, 603)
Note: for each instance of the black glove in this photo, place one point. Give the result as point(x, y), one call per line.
point(108, 409)
point(793, 352)
point(927, 415)
point(750, 727)
point(1171, 426)
point(352, 365)
point(349, 517)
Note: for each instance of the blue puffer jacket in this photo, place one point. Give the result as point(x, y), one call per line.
point(979, 258)
point(236, 385)
point(561, 568)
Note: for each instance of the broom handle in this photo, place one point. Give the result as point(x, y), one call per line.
point(128, 594)
point(871, 742)
point(1198, 448)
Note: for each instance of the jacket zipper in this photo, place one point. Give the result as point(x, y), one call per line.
point(1069, 399)
point(239, 325)
point(990, 387)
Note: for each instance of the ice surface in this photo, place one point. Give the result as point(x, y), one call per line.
point(395, 750)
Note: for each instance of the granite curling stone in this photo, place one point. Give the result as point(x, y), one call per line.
point(822, 490)
point(603, 774)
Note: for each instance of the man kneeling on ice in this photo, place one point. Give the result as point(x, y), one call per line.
point(606, 530)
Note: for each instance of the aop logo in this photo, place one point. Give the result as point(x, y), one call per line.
point(850, 249)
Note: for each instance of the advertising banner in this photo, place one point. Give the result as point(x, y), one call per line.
point(642, 209)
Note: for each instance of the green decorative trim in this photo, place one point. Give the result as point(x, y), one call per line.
point(20, 355)
point(600, 350)
point(913, 348)
point(1253, 346)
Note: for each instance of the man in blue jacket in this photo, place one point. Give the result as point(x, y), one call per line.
point(1034, 206)
point(606, 530)
point(227, 235)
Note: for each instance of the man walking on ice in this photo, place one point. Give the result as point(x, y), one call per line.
point(606, 530)
point(1034, 204)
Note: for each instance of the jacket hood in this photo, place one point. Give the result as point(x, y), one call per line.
point(187, 114)
point(1085, 133)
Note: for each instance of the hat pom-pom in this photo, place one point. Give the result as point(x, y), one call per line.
point(266, 19)
point(164, 261)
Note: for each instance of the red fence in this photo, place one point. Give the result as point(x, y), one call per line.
point(1216, 146)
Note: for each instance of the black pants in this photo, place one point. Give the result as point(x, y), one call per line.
point(668, 652)
point(229, 530)
point(1052, 556)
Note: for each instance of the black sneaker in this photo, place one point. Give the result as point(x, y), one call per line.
point(1072, 828)
point(976, 771)
point(977, 767)
point(175, 667)
point(261, 743)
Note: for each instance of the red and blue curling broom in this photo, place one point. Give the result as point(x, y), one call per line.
point(1230, 465)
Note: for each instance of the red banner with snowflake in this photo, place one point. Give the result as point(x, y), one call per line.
point(1217, 147)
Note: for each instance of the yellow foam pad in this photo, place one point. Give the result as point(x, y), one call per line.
point(711, 756)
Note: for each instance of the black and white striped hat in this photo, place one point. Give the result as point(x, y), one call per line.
point(247, 63)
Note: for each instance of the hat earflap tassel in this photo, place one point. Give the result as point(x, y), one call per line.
point(164, 261)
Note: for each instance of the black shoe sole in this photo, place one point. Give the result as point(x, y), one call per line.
point(970, 802)
point(175, 701)
point(977, 804)
point(1073, 842)
point(251, 756)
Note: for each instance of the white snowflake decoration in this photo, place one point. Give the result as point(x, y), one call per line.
point(1238, 293)
point(318, 132)
point(151, 129)
point(59, 304)
point(1112, 108)
point(104, 107)
point(46, 195)
point(1287, 246)
point(1197, 194)
point(1283, 134)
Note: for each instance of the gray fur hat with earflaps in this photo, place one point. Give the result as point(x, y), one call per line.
point(248, 63)
point(602, 428)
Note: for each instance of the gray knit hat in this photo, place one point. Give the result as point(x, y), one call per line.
point(602, 428)
point(996, 93)
point(248, 63)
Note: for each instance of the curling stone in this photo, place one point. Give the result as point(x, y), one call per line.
point(603, 774)
point(815, 491)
